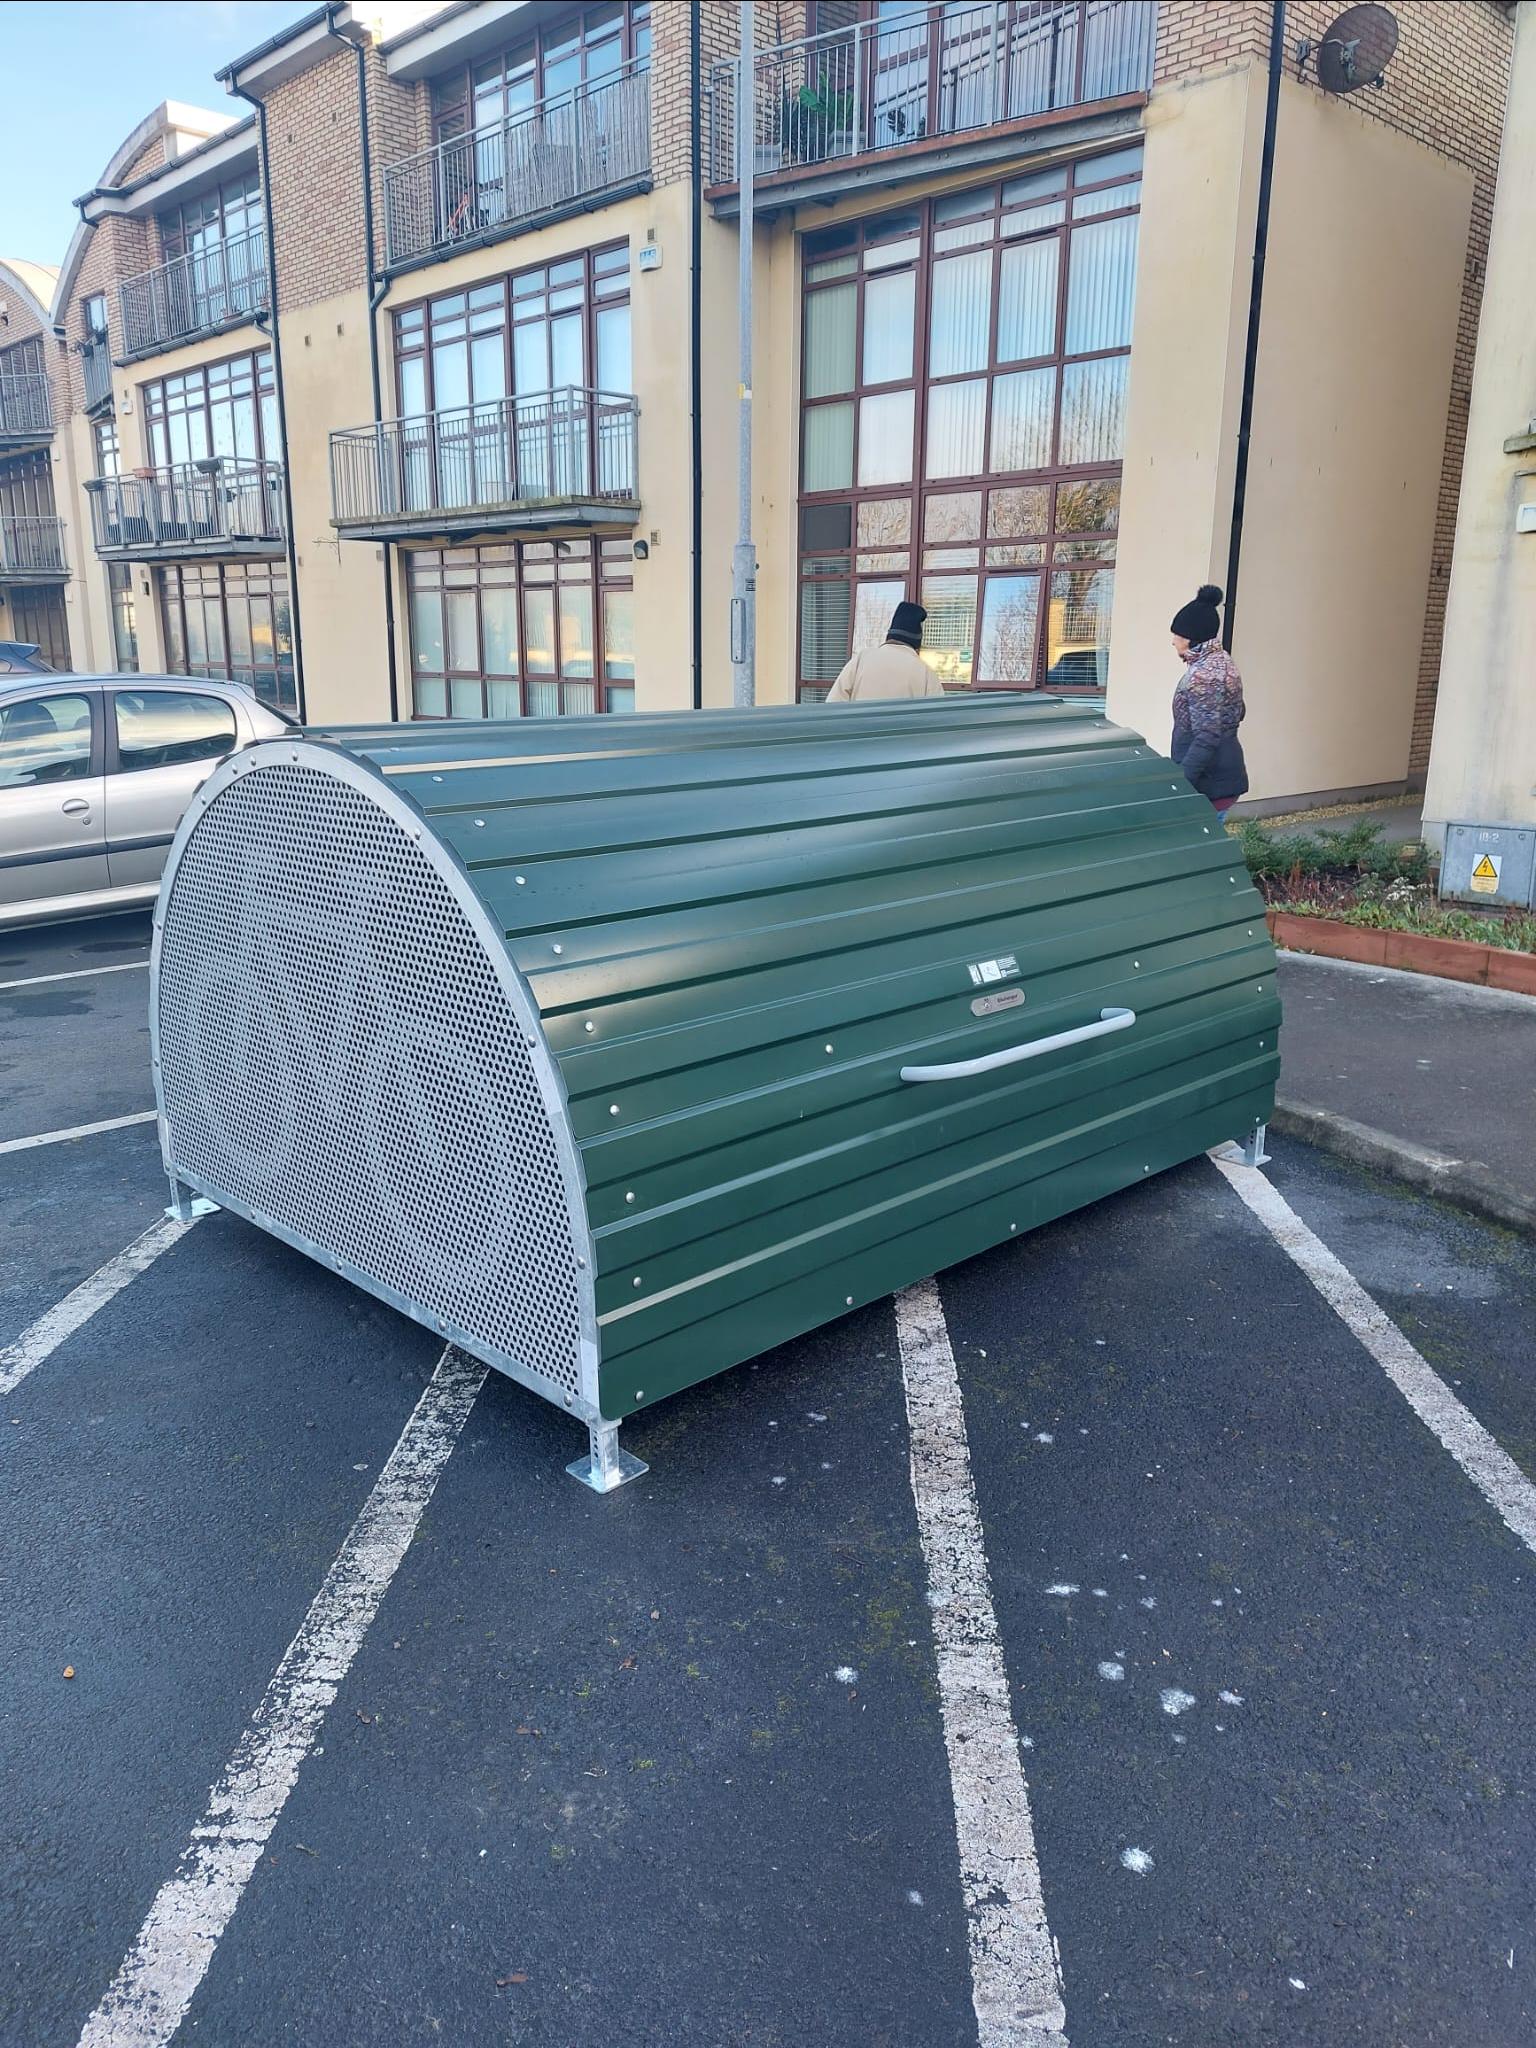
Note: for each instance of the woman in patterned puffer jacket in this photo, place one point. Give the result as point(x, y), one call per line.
point(1208, 704)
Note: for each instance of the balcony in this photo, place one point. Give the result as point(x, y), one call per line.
point(563, 459)
point(31, 548)
point(96, 368)
point(565, 155)
point(224, 285)
point(856, 104)
point(223, 506)
point(26, 409)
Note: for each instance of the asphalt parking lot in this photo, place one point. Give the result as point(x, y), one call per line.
point(674, 1766)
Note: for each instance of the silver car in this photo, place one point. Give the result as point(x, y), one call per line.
point(95, 772)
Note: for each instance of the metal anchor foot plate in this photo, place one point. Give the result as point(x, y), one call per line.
point(606, 1466)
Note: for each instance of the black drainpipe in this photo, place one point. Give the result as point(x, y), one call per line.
point(1255, 303)
point(377, 288)
point(277, 379)
point(695, 325)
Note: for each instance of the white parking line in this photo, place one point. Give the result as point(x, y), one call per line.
point(1490, 1468)
point(1016, 1982)
point(148, 1998)
point(75, 974)
point(111, 1123)
point(81, 1303)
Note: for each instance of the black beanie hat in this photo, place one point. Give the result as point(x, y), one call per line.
point(907, 624)
point(1197, 621)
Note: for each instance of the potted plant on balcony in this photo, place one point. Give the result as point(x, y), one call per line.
point(820, 118)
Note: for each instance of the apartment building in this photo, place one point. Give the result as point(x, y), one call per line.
point(408, 388)
point(34, 561)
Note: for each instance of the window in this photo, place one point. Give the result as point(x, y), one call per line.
point(105, 443)
point(542, 66)
point(223, 215)
point(231, 619)
point(38, 617)
point(497, 364)
point(526, 628)
point(536, 331)
point(227, 408)
point(168, 728)
point(125, 635)
point(26, 487)
point(963, 392)
point(45, 739)
point(93, 316)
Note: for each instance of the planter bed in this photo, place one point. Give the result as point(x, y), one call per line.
point(1416, 952)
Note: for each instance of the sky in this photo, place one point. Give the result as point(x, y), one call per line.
point(80, 74)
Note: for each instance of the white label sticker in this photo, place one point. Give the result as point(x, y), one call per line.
point(1003, 969)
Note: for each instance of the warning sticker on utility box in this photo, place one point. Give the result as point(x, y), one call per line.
point(1485, 874)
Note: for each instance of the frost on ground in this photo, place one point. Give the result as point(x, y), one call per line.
point(1230, 1699)
point(846, 1675)
point(1111, 1670)
point(1137, 1860)
point(1062, 1588)
point(1176, 1702)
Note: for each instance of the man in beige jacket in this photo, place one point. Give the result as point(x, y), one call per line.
point(894, 670)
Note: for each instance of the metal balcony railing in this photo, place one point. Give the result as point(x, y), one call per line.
point(223, 504)
point(31, 545)
point(194, 294)
point(561, 153)
point(96, 367)
point(26, 407)
point(886, 84)
point(562, 448)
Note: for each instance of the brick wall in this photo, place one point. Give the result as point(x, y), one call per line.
point(22, 324)
point(315, 177)
point(1445, 88)
point(116, 248)
point(399, 125)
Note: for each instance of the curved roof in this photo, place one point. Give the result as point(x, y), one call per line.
point(37, 282)
point(170, 116)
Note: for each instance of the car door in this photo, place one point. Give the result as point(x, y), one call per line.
point(161, 743)
point(52, 812)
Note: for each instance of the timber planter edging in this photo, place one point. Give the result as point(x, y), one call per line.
point(1416, 952)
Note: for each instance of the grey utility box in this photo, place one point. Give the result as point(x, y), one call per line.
point(1490, 864)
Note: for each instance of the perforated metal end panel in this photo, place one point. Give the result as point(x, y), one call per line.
point(343, 1059)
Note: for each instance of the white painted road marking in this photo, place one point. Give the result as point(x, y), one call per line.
point(1015, 1974)
point(148, 1998)
point(1490, 1468)
point(81, 1303)
point(75, 974)
point(111, 1123)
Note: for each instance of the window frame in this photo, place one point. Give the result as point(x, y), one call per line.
point(609, 571)
point(416, 344)
point(243, 582)
point(176, 232)
point(1059, 548)
point(155, 406)
point(451, 120)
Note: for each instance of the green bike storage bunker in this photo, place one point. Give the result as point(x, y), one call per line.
point(619, 1050)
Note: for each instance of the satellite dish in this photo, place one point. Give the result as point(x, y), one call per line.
point(1356, 51)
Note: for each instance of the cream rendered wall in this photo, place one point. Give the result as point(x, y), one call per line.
point(86, 597)
point(326, 384)
point(1482, 763)
point(1362, 298)
point(1199, 198)
point(659, 302)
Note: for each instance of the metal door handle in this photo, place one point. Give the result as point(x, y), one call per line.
point(76, 807)
point(961, 1070)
